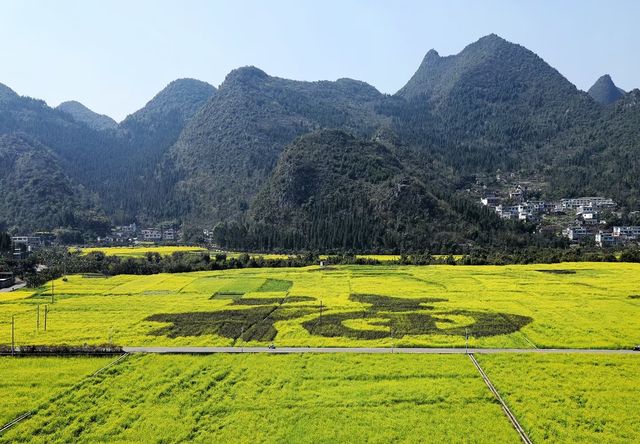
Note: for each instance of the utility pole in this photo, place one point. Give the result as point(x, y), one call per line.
point(37, 318)
point(241, 335)
point(13, 335)
point(46, 311)
point(320, 310)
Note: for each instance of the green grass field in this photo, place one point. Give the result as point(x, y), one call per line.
point(563, 305)
point(570, 398)
point(290, 398)
point(27, 383)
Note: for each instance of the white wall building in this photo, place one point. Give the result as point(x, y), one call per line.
point(151, 234)
point(629, 232)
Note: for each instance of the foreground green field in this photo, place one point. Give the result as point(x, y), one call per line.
point(27, 383)
point(570, 398)
point(276, 398)
point(590, 305)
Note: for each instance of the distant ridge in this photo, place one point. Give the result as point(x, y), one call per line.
point(605, 92)
point(83, 114)
point(183, 96)
point(7, 94)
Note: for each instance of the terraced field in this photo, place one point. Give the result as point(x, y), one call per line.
point(580, 305)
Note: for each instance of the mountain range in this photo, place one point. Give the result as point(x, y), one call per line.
point(273, 163)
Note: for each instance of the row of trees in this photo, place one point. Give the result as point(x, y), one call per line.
point(59, 261)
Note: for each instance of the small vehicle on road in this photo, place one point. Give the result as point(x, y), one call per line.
point(272, 347)
point(637, 348)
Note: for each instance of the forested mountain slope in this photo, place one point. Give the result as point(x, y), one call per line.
point(606, 155)
point(116, 164)
point(333, 191)
point(496, 105)
point(226, 153)
point(37, 194)
point(130, 187)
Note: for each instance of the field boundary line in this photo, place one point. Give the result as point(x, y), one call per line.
point(111, 364)
point(529, 341)
point(512, 418)
point(15, 421)
point(55, 397)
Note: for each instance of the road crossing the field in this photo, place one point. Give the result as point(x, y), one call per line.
point(370, 350)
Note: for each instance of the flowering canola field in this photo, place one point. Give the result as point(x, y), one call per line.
point(581, 305)
point(329, 397)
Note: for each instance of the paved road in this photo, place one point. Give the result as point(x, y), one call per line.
point(289, 350)
point(15, 287)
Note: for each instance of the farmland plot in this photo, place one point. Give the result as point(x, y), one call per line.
point(276, 398)
point(570, 398)
point(563, 305)
point(26, 383)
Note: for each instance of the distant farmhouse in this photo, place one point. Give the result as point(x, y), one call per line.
point(24, 245)
point(598, 203)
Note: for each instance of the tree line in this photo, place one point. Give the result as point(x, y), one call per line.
point(59, 261)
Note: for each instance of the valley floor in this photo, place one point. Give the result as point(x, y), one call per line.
point(568, 305)
point(588, 395)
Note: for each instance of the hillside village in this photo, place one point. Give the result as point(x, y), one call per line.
point(23, 245)
point(580, 219)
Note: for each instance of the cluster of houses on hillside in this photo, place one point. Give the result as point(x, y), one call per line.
point(122, 235)
point(587, 212)
point(618, 236)
point(130, 234)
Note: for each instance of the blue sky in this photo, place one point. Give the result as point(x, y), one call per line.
point(114, 55)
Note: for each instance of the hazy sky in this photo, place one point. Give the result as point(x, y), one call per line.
point(114, 55)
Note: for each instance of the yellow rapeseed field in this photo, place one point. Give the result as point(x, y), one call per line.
point(138, 251)
point(570, 398)
point(561, 305)
point(264, 399)
point(27, 383)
